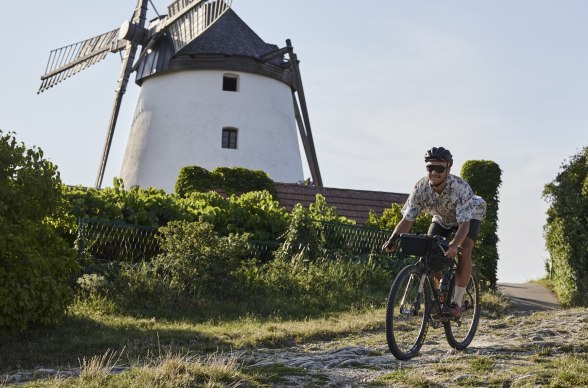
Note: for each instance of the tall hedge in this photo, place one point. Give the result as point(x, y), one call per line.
point(35, 262)
point(484, 176)
point(566, 230)
point(232, 180)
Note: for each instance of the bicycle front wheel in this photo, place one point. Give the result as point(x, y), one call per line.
point(407, 312)
point(460, 333)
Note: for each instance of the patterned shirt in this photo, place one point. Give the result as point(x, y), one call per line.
point(456, 204)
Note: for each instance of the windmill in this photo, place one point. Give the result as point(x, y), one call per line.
point(167, 49)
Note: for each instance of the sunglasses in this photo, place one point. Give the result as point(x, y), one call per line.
point(436, 168)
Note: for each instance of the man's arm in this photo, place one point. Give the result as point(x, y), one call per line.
point(460, 236)
point(403, 227)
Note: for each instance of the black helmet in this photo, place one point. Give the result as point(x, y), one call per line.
point(439, 153)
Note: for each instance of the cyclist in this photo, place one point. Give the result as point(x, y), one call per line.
point(455, 209)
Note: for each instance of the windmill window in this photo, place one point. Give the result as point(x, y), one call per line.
point(230, 138)
point(230, 82)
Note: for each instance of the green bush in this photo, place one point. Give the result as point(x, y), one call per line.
point(194, 179)
point(391, 217)
point(304, 239)
point(320, 210)
point(238, 180)
point(146, 207)
point(566, 230)
point(232, 180)
point(258, 214)
point(300, 289)
point(484, 177)
point(35, 262)
point(197, 261)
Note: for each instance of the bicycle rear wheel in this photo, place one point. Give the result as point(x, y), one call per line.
point(407, 313)
point(460, 333)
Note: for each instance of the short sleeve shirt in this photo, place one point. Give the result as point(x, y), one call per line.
point(456, 204)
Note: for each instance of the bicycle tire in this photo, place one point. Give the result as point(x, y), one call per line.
point(407, 313)
point(460, 333)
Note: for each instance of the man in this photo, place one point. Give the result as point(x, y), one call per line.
point(454, 207)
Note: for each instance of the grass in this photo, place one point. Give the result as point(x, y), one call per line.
point(86, 334)
point(88, 331)
point(186, 353)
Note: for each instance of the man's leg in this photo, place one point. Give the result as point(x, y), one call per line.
point(464, 270)
point(437, 230)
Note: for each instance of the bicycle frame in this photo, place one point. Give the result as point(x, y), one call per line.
point(415, 302)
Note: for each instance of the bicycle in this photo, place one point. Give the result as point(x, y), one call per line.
point(414, 302)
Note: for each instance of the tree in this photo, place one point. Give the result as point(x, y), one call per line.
point(35, 262)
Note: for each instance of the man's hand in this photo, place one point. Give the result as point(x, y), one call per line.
point(390, 245)
point(452, 250)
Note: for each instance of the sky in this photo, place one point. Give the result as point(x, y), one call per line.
point(384, 80)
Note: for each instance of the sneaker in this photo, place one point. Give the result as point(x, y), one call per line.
point(453, 310)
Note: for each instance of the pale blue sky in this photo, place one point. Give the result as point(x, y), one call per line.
point(385, 80)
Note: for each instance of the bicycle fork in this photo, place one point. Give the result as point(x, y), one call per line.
point(414, 308)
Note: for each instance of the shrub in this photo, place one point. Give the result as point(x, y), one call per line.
point(197, 261)
point(301, 289)
point(391, 217)
point(238, 180)
point(258, 214)
point(232, 180)
point(146, 207)
point(304, 239)
point(566, 230)
point(484, 177)
point(194, 179)
point(320, 210)
point(35, 262)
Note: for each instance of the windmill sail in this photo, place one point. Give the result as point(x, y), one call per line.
point(69, 60)
point(190, 18)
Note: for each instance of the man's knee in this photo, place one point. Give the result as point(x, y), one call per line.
point(466, 247)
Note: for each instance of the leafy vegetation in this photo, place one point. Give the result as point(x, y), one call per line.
point(232, 180)
point(197, 262)
point(35, 262)
point(484, 177)
point(566, 230)
point(392, 216)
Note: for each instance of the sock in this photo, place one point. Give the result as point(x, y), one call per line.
point(458, 295)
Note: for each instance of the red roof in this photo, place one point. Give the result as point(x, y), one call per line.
point(354, 204)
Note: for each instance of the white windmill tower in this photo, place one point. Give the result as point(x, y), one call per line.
point(212, 94)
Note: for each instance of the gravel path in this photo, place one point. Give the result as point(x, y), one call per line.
point(512, 350)
point(508, 344)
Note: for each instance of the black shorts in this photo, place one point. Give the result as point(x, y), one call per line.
point(437, 230)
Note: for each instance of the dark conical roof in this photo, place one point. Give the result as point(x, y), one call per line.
point(229, 44)
point(229, 35)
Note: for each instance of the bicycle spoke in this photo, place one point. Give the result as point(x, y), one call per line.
point(461, 333)
point(406, 314)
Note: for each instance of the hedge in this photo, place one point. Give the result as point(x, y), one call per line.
point(566, 230)
point(484, 177)
point(35, 262)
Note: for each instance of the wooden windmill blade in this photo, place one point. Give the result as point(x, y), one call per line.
point(302, 119)
point(300, 109)
point(71, 59)
point(188, 19)
point(133, 32)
